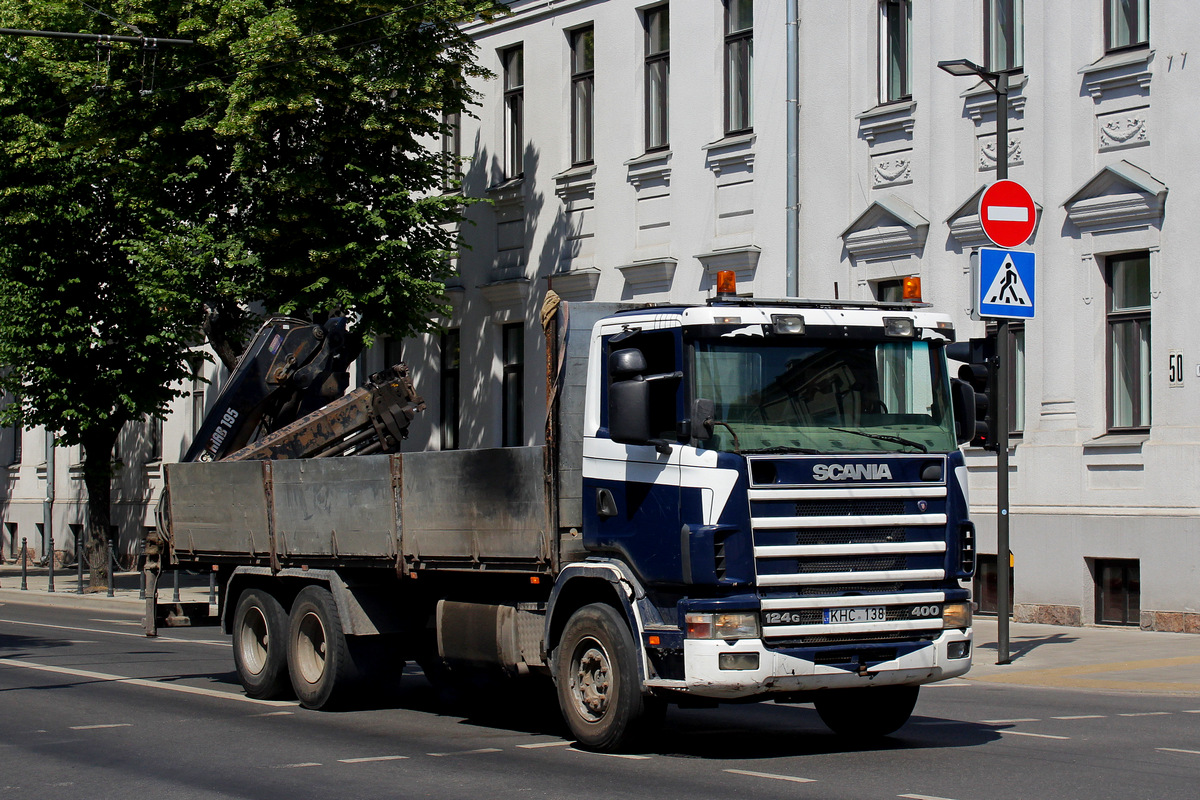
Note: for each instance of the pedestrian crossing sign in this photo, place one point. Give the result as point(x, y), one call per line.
point(1006, 283)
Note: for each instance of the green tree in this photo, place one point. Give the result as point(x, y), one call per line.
point(281, 163)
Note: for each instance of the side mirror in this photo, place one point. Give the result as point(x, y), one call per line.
point(629, 411)
point(702, 419)
point(963, 396)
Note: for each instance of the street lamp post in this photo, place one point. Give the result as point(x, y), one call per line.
point(998, 81)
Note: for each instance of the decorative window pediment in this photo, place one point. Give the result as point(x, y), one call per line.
point(888, 227)
point(1123, 70)
point(1119, 196)
point(966, 227)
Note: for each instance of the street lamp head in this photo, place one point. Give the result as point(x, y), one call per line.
point(962, 68)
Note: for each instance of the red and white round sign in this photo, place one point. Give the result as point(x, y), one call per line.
point(1007, 213)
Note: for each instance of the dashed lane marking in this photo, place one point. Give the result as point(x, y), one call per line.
point(1177, 750)
point(275, 714)
point(1145, 714)
point(537, 745)
point(771, 775)
point(368, 759)
point(467, 752)
point(922, 797)
point(300, 765)
point(140, 682)
point(1008, 721)
point(1037, 735)
point(1083, 716)
point(628, 756)
point(100, 727)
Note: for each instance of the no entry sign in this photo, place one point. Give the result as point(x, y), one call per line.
point(1007, 213)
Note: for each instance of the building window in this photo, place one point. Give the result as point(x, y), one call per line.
point(197, 404)
point(1118, 591)
point(896, 50)
point(18, 434)
point(513, 60)
point(154, 437)
point(513, 384)
point(658, 73)
point(739, 65)
point(11, 527)
point(450, 362)
point(889, 291)
point(1128, 279)
point(1016, 377)
point(1003, 35)
point(985, 589)
point(583, 77)
point(451, 150)
point(1126, 24)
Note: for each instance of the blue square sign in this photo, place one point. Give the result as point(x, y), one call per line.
point(1006, 283)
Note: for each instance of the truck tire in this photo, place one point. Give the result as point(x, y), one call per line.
point(868, 713)
point(260, 628)
point(599, 692)
point(322, 668)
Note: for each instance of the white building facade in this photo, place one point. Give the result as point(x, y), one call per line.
point(630, 150)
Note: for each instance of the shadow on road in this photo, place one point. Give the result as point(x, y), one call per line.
point(1023, 645)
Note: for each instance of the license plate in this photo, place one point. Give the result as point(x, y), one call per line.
point(835, 616)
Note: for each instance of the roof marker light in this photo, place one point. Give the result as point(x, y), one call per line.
point(912, 288)
point(726, 282)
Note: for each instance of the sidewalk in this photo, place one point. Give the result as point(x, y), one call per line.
point(126, 589)
point(1095, 658)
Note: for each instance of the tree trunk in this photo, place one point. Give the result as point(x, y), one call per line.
point(97, 477)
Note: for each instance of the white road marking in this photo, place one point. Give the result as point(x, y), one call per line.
point(1082, 716)
point(142, 682)
point(99, 727)
point(1146, 714)
point(369, 759)
point(1177, 750)
point(771, 775)
point(628, 756)
point(301, 765)
point(275, 714)
point(467, 752)
point(922, 797)
point(1192, 711)
point(1038, 735)
point(116, 633)
point(130, 623)
point(946, 685)
point(537, 745)
point(1007, 721)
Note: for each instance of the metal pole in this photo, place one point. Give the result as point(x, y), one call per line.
point(793, 147)
point(112, 570)
point(175, 594)
point(141, 572)
point(24, 563)
point(1003, 598)
point(212, 586)
point(79, 563)
point(50, 562)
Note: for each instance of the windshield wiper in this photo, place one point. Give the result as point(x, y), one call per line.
point(883, 437)
point(783, 449)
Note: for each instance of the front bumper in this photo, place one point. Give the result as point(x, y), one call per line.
point(783, 670)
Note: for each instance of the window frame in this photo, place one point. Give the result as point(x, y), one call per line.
point(1014, 53)
point(451, 343)
point(583, 106)
point(1140, 318)
point(888, 92)
point(512, 60)
point(512, 384)
point(657, 80)
point(1142, 24)
point(1130, 581)
point(739, 115)
point(451, 150)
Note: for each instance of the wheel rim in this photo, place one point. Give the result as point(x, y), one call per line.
point(310, 648)
point(591, 680)
point(254, 640)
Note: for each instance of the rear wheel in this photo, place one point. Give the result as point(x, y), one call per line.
point(260, 644)
point(867, 713)
point(597, 677)
point(322, 669)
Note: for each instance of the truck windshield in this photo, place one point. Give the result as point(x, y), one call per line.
point(825, 396)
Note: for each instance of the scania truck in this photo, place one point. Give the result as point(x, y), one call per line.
point(740, 500)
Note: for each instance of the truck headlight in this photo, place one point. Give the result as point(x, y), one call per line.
point(956, 615)
point(722, 625)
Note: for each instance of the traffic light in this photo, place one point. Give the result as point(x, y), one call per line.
point(979, 371)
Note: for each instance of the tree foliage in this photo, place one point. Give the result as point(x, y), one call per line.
point(280, 163)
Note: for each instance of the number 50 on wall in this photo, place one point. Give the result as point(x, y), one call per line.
point(1175, 368)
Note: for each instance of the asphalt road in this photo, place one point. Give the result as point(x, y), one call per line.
point(92, 709)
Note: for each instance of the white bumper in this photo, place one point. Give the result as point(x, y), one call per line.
point(778, 671)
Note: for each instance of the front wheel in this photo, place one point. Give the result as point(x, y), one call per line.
point(597, 678)
point(260, 644)
point(868, 713)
